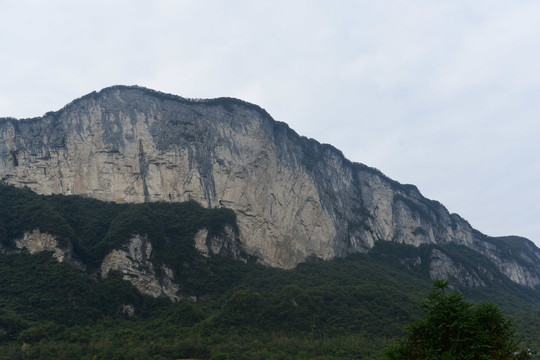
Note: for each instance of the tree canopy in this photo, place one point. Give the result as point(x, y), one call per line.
point(453, 328)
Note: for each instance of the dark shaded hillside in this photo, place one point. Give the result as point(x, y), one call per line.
point(93, 228)
point(341, 309)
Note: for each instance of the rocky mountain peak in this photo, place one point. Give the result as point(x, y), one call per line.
point(294, 197)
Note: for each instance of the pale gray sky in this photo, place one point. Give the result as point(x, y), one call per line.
point(443, 94)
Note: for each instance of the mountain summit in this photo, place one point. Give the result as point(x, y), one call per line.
point(294, 198)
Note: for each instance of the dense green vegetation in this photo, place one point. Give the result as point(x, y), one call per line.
point(338, 310)
point(453, 328)
point(94, 228)
point(342, 309)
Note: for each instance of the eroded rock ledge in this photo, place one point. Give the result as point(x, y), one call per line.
point(35, 241)
point(133, 261)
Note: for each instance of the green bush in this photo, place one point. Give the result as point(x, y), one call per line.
point(453, 328)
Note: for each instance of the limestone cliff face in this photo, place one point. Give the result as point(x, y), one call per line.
point(294, 198)
point(218, 244)
point(443, 267)
point(133, 261)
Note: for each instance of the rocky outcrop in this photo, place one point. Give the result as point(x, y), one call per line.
point(294, 198)
point(442, 266)
point(133, 261)
point(222, 244)
point(35, 241)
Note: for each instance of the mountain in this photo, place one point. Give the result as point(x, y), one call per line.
point(97, 280)
point(136, 224)
point(294, 199)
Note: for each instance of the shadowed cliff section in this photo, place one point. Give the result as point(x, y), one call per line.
point(294, 198)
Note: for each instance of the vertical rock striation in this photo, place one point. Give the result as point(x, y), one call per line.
point(294, 198)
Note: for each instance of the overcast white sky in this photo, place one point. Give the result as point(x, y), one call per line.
point(443, 94)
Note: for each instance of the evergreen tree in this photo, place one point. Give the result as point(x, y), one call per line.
point(453, 328)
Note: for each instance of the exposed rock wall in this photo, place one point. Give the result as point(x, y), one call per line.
point(294, 198)
point(133, 261)
point(35, 241)
point(222, 244)
point(126, 146)
point(443, 267)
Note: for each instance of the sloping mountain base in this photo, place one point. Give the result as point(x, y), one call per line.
point(56, 303)
point(342, 309)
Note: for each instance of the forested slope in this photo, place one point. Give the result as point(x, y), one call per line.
point(341, 309)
